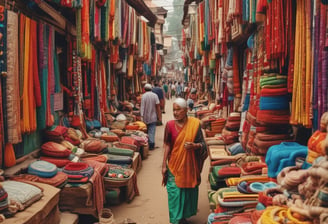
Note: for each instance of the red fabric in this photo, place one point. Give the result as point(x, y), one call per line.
point(97, 180)
point(54, 149)
point(274, 92)
point(273, 116)
point(59, 162)
point(76, 166)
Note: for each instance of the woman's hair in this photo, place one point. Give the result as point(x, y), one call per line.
point(181, 102)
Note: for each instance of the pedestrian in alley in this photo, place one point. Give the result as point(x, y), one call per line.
point(184, 154)
point(161, 96)
point(150, 112)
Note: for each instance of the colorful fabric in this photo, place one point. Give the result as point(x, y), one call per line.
point(185, 175)
point(12, 81)
point(182, 186)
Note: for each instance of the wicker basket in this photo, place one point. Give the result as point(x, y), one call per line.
point(112, 182)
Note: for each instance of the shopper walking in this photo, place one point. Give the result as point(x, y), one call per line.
point(161, 96)
point(151, 113)
point(184, 154)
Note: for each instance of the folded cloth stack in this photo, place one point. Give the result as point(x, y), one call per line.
point(316, 146)
point(120, 151)
point(130, 140)
point(263, 141)
point(230, 132)
point(219, 173)
point(21, 195)
point(55, 153)
point(79, 172)
point(283, 155)
point(59, 180)
point(217, 125)
point(274, 99)
point(253, 168)
point(230, 197)
point(215, 140)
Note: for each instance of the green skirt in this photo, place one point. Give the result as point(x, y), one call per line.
point(182, 201)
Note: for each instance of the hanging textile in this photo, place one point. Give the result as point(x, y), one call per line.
point(117, 33)
point(43, 33)
point(26, 122)
point(301, 100)
point(104, 17)
point(85, 50)
point(12, 81)
point(3, 70)
point(51, 77)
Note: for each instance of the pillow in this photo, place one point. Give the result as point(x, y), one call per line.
point(42, 169)
point(21, 194)
point(54, 149)
point(93, 145)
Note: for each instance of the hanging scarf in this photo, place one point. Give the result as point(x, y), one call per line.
point(3, 70)
point(43, 33)
point(25, 122)
point(301, 110)
point(12, 92)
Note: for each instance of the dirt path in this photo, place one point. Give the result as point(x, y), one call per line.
point(151, 206)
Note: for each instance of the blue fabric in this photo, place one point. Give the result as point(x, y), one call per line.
point(246, 102)
point(151, 134)
point(42, 169)
point(274, 103)
point(236, 149)
point(282, 155)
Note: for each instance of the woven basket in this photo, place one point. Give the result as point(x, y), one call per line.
point(112, 182)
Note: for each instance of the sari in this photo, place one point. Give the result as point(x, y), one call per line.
point(184, 168)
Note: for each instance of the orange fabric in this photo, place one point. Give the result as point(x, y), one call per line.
point(183, 164)
point(25, 122)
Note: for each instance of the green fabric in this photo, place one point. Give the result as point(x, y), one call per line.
point(182, 201)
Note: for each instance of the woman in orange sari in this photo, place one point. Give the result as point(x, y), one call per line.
point(185, 152)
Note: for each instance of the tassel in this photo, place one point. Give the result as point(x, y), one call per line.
point(10, 157)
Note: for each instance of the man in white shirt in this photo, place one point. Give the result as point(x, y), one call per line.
point(150, 112)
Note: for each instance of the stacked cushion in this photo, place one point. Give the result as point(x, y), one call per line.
point(78, 172)
point(42, 169)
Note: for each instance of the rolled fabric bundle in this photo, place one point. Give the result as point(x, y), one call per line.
point(270, 92)
point(274, 103)
point(232, 125)
point(273, 116)
point(272, 137)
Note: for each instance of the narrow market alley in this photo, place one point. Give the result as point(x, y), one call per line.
point(151, 206)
